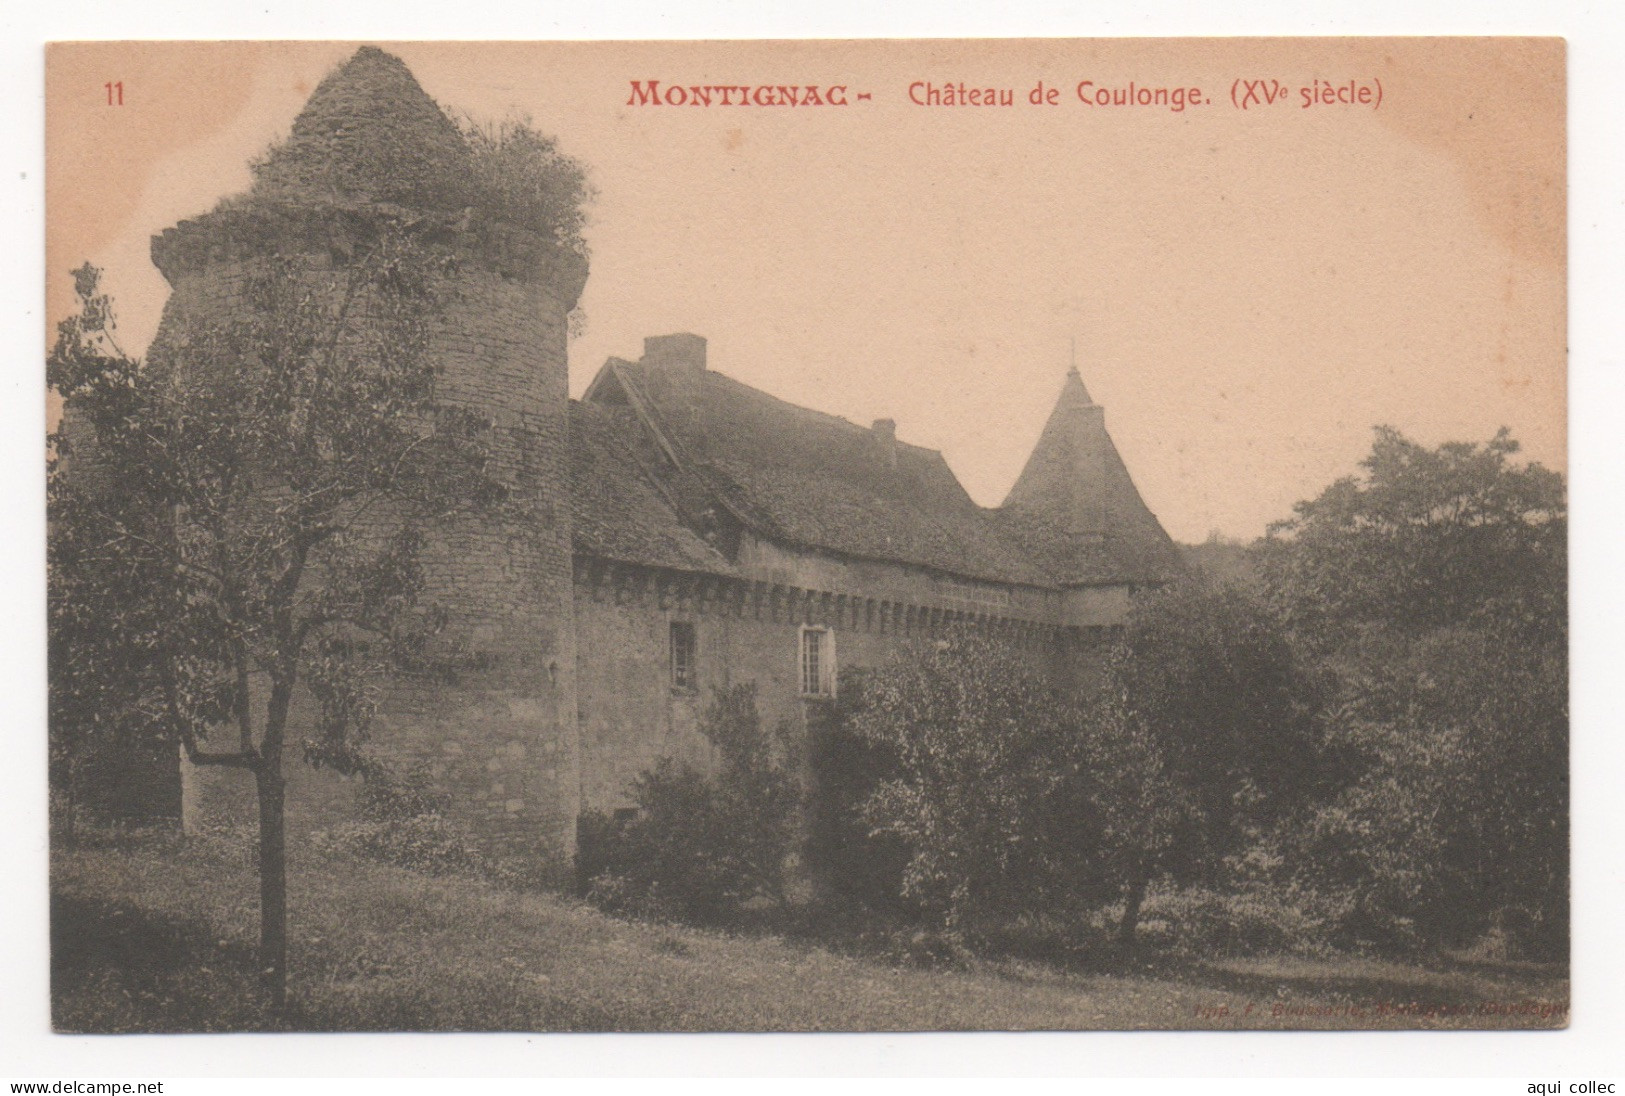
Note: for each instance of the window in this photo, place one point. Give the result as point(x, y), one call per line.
point(817, 662)
point(682, 655)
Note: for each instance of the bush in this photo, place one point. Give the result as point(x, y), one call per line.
point(860, 869)
point(701, 847)
point(388, 796)
point(429, 843)
point(990, 790)
point(1258, 921)
point(519, 176)
point(625, 897)
point(679, 856)
point(1079, 935)
point(405, 823)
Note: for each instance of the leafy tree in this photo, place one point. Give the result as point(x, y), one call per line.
point(862, 869)
point(703, 844)
point(107, 606)
point(1424, 538)
point(985, 795)
point(1010, 798)
point(1215, 740)
point(1433, 590)
point(1455, 819)
point(244, 515)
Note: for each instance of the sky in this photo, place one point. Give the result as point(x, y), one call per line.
point(1247, 292)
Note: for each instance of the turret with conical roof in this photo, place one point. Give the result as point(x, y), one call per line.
point(1065, 478)
point(372, 157)
point(1075, 506)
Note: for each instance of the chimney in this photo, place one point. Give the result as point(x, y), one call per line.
point(885, 435)
point(679, 353)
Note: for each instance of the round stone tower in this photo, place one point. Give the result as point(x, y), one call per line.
point(372, 153)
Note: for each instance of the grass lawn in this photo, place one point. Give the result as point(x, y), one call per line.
point(150, 936)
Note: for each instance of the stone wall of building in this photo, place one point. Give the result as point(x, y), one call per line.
point(749, 630)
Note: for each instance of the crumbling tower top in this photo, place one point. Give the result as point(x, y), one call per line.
point(369, 133)
point(372, 153)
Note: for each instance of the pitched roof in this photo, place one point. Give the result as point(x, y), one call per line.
point(619, 511)
point(804, 478)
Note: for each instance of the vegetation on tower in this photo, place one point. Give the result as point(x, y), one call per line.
point(371, 137)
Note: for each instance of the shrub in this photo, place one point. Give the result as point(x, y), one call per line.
point(860, 869)
point(429, 843)
point(405, 823)
point(701, 846)
point(518, 175)
point(679, 855)
point(985, 765)
point(389, 796)
point(619, 895)
point(1076, 935)
point(1258, 921)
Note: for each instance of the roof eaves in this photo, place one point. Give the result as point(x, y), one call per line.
point(932, 568)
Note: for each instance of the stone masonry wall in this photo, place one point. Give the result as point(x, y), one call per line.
point(502, 739)
point(746, 631)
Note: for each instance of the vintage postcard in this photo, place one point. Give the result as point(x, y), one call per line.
point(808, 535)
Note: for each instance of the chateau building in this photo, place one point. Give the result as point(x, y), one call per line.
point(691, 532)
point(722, 535)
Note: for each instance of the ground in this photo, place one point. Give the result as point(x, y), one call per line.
point(152, 935)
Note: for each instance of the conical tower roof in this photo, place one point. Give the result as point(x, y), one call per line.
point(1073, 391)
point(1065, 476)
point(369, 133)
point(1075, 506)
